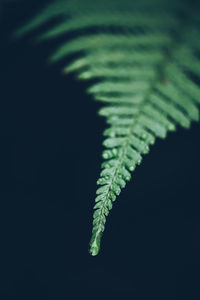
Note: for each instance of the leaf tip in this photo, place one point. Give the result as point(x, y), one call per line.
point(95, 243)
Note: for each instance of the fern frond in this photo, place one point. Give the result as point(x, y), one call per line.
point(145, 54)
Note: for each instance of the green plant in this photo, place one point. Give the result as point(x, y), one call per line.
point(145, 55)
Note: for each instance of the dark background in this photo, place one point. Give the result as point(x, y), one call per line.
point(50, 155)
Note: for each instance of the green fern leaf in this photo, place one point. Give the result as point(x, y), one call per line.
point(145, 55)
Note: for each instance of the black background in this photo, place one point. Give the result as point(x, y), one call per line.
point(50, 155)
